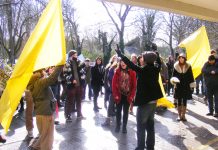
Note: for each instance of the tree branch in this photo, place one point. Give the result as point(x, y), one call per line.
point(12, 3)
point(116, 25)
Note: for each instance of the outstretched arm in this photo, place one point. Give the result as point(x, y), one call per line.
point(127, 61)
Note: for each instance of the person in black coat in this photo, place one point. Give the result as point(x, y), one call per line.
point(97, 80)
point(147, 93)
point(210, 72)
point(184, 89)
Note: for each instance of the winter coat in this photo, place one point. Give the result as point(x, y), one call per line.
point(132, 86)
point(110, 76)
point(185, 87)
point(211, 80)
point(88, 74)
point(97, 76)
point(148, 87)
point(42, 93)
point(69, 75)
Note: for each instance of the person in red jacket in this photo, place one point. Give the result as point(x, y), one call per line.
point(123, 90)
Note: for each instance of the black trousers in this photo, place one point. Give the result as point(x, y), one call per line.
point(123, 105)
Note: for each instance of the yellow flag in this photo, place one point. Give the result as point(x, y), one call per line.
point(44, 48)
point(197, 49)
point(164, 101)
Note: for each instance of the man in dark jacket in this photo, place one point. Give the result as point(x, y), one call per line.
point(210, 72)
point(75, 78)
point(147, 93)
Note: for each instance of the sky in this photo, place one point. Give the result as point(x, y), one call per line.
point(92, 15)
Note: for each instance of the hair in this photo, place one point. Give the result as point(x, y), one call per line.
point(110, 62)
point(138, 59)
point(211, 57)
point(98, 58)
point(71, 53)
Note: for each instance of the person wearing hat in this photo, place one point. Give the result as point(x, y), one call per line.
point(88, 78)
point(184, 88)
point(39, 86)
point(210, 72)
point(148, 91)
point(75, 79)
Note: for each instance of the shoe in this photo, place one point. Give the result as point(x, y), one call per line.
point(215, 115)
point(209, 114)
point(56, 122)
point(30, 134)
point(68, 119)
point(178, 119)
point(81, 117)
point(117, 129)
point(184, 119)
point(2, 140)
point(124, 130)
point(95, 110)
point(99, 107)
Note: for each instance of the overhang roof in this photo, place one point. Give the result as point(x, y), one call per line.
point(202, 9)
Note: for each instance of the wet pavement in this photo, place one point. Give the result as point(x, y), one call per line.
point(200, 132)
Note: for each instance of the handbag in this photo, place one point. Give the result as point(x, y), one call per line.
point(53, 102)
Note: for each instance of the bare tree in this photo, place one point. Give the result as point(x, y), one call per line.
point(122, 14)
point(148, 25)
point(72, 26)
point(15, 18)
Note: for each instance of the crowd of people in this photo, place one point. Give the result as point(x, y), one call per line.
point(126, 82)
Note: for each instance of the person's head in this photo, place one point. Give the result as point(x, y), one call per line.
point(154, 47)
point(182, 58)
point(213, 52)
point(140, 60)
point(87, 61)
point(149, 57)
point(113, 59)
point(134, 58)
point(40, 73)
point(123, 65)
point(72, 55)
point(211, 59)
point(98, 60)
point(170, 58)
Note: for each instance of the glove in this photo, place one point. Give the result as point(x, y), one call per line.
point(119, 53)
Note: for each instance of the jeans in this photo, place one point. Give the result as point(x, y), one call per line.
point(212, 92)
point(111, 108)
point(90, 90)
point(145, 122)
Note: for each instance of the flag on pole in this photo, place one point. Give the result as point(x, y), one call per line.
point(164, 102)
point(197, 48)
point(44, 48)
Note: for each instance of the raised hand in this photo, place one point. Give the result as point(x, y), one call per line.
point(117, 50)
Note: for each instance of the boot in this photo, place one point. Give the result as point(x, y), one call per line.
point(95, 106)
point(124, 130)
point(179, 113)
point(183, 113)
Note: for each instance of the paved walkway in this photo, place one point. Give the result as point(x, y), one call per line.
point(199, 133)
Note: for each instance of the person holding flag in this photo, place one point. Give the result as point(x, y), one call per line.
point(39, 85)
